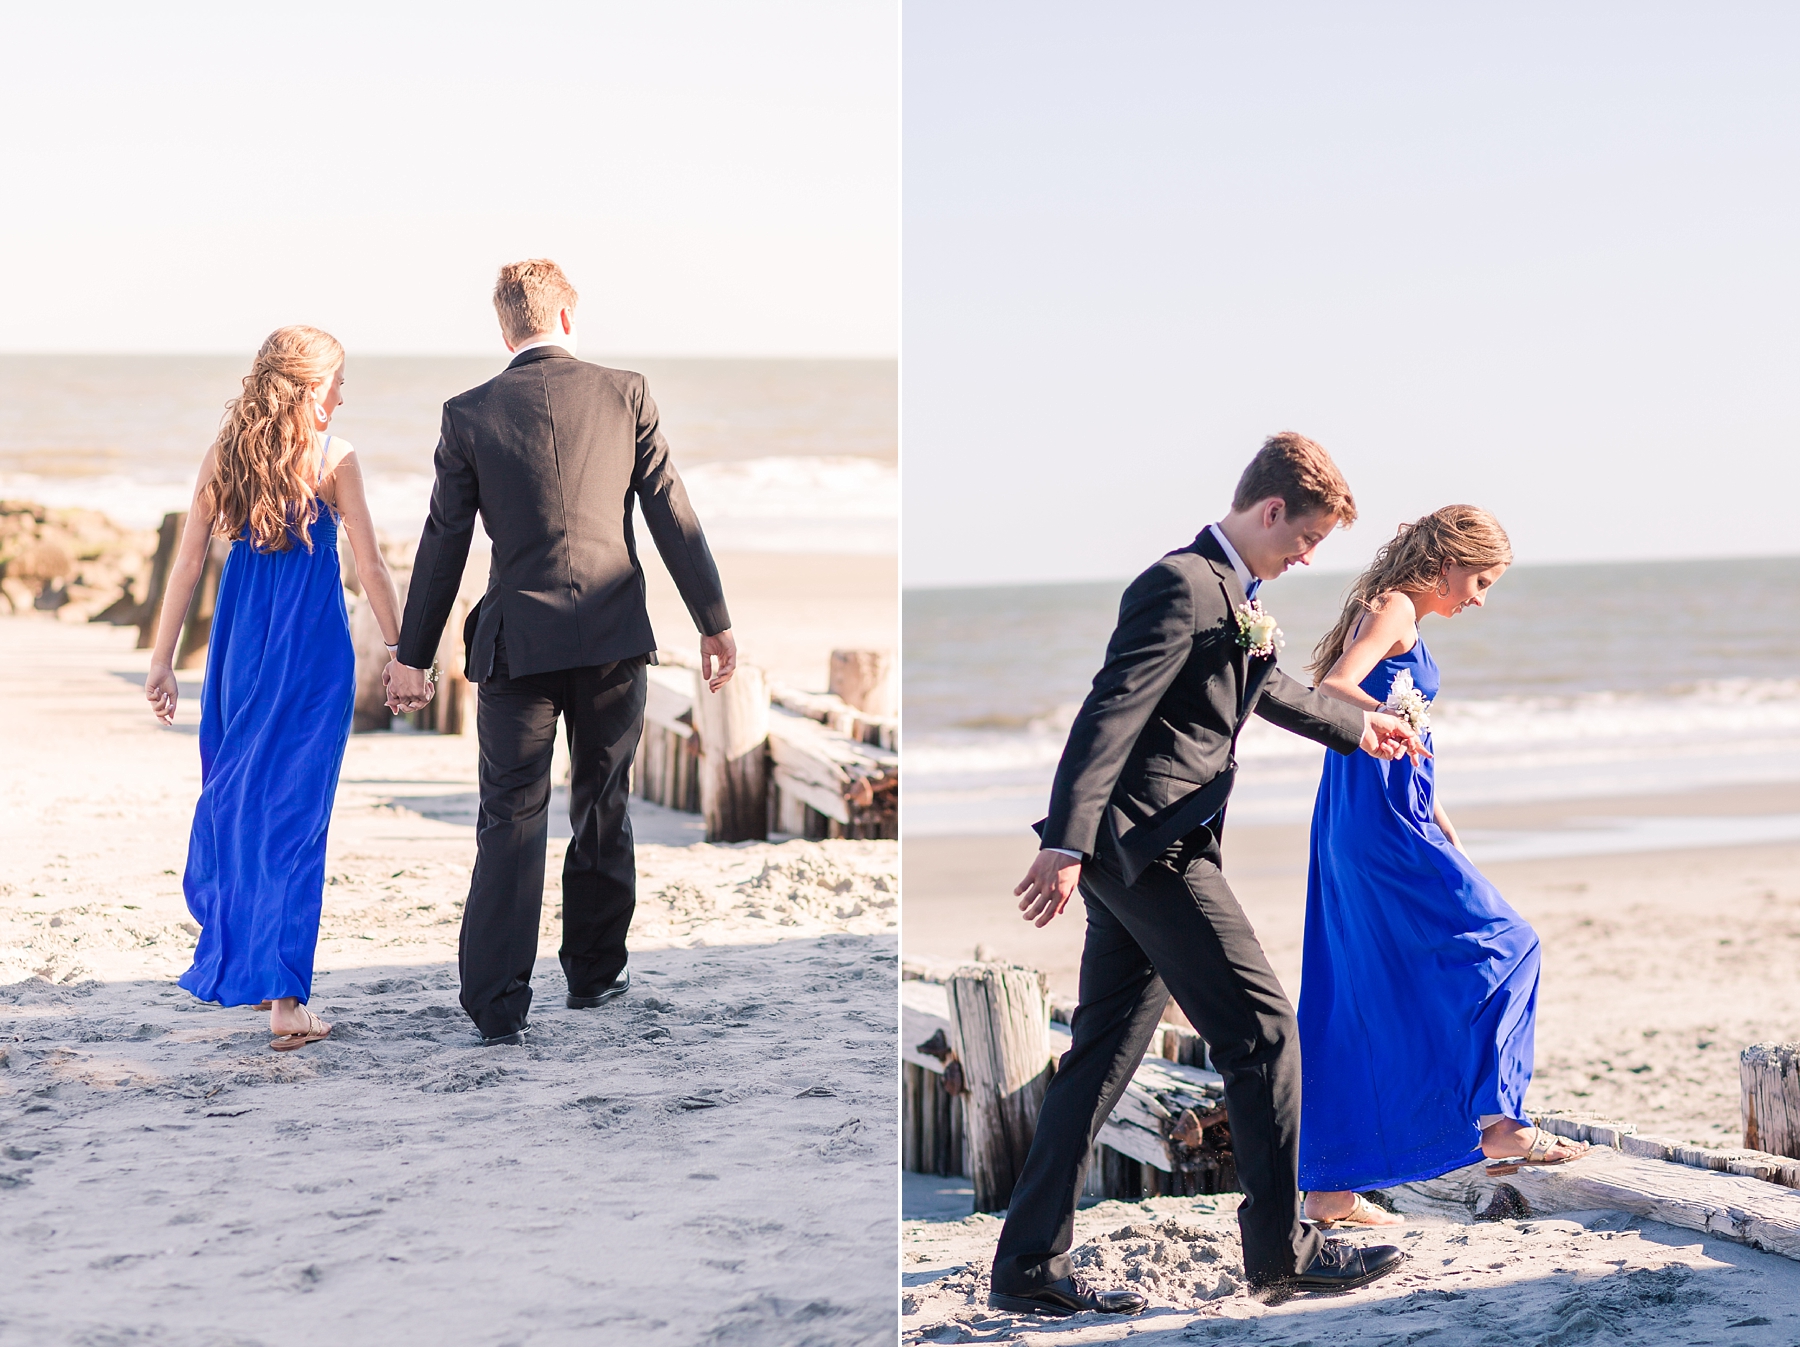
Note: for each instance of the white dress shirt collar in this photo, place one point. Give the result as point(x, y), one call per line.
point(1245, 576)
point(565, 343)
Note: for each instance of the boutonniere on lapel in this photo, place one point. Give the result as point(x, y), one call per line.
point(1256, 631)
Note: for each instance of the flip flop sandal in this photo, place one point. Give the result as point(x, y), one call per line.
point(1538, 1156)
point(1364, 1215)
point(316, 1029)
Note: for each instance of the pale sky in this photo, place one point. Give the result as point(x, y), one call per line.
point(1539, 257)
point(717, 178)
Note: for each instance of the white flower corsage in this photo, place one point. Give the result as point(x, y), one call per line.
point(1408, 703)
point(1256, 630)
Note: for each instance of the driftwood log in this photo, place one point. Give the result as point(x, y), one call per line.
point(1769, 1074)
point(1731, 1206)
point(1000, 1029)
point(1624, 1137)
point(733, 724)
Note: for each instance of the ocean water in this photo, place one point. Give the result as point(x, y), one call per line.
point(778, 455)
point(1575, 681)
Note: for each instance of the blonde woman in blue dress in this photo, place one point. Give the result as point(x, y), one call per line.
point(1418, 990)
point(275, 705)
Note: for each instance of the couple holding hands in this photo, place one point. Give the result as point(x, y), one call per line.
point(1412, 1048)
point(551, 454)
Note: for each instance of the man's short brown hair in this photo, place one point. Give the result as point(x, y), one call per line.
point(527, 296)
point(1301, 473)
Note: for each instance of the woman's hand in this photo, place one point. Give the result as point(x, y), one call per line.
point(162, 692)
point(1390, 738)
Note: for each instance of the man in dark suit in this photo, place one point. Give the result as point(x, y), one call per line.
point(551, 454)
point(1136, 813)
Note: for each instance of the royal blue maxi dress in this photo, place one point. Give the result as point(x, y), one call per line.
point(1418, 991)
point(274, 718)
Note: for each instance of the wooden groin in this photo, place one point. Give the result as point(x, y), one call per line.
point(761, 759)
point(756, 759)
point(1168, 1135)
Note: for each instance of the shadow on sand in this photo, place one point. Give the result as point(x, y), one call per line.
point(710, 1158)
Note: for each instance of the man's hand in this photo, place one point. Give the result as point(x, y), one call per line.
point(1048, 885)
point(408, 689)
point(722, 651)
point(1388, 737)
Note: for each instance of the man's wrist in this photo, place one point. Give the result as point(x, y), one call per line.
point(1064, 851)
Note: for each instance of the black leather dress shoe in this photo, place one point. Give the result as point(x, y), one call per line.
point(620, 986)
point(516, 1037)
point(1069, 1295)
point(1341, 1265)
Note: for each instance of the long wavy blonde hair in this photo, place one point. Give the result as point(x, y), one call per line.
point(266, 478)
point(1416, 559)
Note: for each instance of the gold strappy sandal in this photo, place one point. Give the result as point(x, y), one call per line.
point(1538, 1156)
point(316, 1029)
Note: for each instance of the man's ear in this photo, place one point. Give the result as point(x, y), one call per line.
point(568, 320)
point(1272, 511)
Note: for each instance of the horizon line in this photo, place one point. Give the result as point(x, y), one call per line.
point(1348, 570)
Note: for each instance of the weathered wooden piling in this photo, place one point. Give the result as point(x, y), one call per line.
point(370, 711)
point(1769, 1074)
point(1002, 1037)
point(733, 724)
point(168, 542)
point(451, 705)
point(666, 770)
point(865, 680)
point(196, 631)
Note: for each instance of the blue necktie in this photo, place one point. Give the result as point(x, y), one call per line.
point(1251, 588)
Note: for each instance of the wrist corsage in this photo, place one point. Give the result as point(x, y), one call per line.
point(1407, 703)
point(1256, 631)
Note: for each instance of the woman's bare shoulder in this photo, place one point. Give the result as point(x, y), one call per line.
point(1394, 606)
point(335, 453)
point(1390, 617)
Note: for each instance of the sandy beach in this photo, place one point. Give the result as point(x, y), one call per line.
point(1658, 968)
point(710, 1159)
point(1565, 1278)
point(789, 612)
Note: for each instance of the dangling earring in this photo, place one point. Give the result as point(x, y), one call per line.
point(319, 414)
point(1443, 589)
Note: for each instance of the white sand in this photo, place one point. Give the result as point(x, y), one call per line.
point(711, 1159)
point(1574, 1277)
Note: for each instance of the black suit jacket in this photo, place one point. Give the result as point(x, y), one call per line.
point(551, 454)
point(1149, 756)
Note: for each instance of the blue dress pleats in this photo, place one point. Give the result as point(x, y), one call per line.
point(274, 719)
point(1418, 991)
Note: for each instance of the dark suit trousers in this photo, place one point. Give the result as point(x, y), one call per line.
point(516, 722)
point(1177, 931)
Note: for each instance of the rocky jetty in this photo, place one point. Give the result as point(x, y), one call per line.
point(74, 565)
